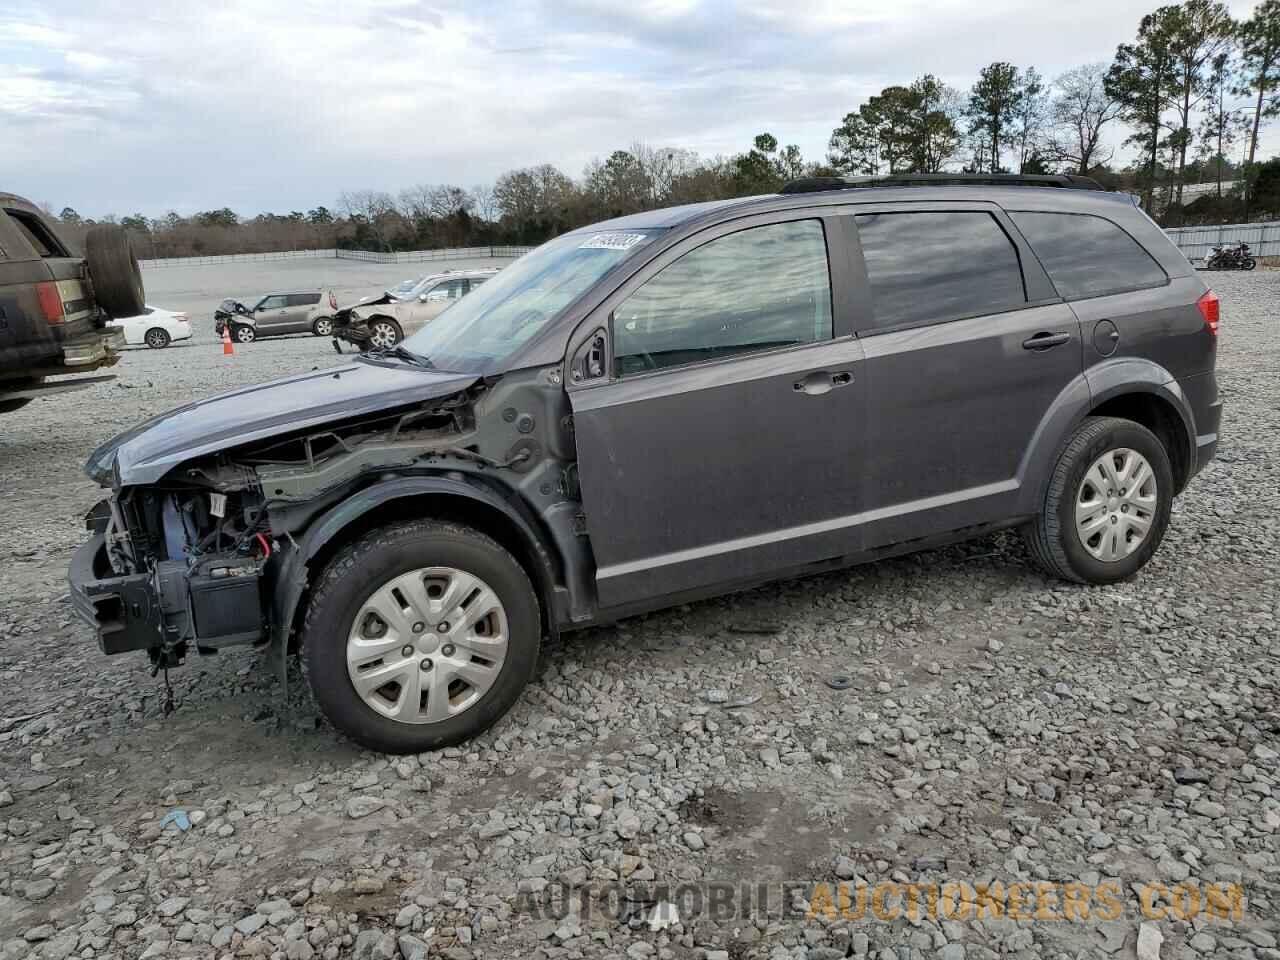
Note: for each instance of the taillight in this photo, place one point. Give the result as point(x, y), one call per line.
point(50, 301)
point(1208, 307)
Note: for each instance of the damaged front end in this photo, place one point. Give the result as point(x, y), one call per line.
point(215, 552)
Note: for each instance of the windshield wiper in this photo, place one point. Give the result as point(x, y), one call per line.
point(401, 352)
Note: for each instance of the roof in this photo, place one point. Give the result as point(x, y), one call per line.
point(981, 188)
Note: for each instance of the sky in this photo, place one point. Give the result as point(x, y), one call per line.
point(112, 106)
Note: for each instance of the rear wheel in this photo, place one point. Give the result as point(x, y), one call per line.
point(157, 339)
point(420, 635)
point(114, 270)
point(323, 327)
point(384, 333)
point(1108, 503)
point(1249, 263)
point(243, 333)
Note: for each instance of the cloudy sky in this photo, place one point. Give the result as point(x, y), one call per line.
point(113, 106)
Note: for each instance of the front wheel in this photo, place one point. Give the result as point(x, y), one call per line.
point(243, 333)
point(420, 635)
point(157, 339)
point(1249, 263)
point(383, 333)
point(1107, 505)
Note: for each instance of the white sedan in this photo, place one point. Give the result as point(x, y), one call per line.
point(155, 327)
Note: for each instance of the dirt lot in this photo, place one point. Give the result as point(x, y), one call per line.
point(999, 728)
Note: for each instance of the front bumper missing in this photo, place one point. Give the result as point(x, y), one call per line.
point(165, 607)
point(124, 611)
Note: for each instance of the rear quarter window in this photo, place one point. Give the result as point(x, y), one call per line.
point(1087, 255)
point(36, 233)
point(303, 299)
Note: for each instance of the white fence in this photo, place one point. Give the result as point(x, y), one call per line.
point(369, 256)
point(1196, 242)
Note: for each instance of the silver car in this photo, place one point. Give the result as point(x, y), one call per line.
point(278, 313)
point(405, 308)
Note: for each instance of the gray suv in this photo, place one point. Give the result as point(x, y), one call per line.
point(664, 407)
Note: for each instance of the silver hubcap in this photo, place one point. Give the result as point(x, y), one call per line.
point(1116, 504)
point(245, 335)
point(427, 645)
point(383, 335)
point(155, 339)
point(324, 327)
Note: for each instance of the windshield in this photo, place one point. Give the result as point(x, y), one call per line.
point(487, 326)
point(406, 289)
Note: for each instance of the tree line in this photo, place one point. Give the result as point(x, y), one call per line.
point(1191, 94)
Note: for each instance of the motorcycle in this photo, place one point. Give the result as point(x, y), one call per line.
point(1237, 257)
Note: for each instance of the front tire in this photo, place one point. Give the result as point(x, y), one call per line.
point(1249, 263)
point(243, 333)
point(384, 333)
point(1107, 505)
point(420, 635)
point(157, 339)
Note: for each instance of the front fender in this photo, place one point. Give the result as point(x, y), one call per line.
point(291, 581)
point(1088, 391)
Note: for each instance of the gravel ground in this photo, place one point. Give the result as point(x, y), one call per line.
point(999, 728)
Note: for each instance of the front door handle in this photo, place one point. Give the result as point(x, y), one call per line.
point(823, 381)
point(1043, 341)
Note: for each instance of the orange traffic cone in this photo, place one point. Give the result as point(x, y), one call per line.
point(227, 349)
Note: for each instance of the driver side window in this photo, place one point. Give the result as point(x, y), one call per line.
point(758, 289)
point(272, 303)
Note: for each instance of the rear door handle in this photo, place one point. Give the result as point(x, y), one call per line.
point(1043, 341)
point(823, 381)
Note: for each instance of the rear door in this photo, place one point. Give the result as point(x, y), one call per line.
point(272, 314)
point(967, 348)
point(718, 416)
point(298, 310)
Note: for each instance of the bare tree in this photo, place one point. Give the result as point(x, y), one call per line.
point(1079, 112)
point(484, 205)
point(375, 208)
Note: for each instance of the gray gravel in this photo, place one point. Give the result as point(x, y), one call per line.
point(997, 726)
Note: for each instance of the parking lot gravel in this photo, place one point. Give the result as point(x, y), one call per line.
point(951, 720)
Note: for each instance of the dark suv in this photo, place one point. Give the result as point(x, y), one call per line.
point(663, 407)
point(55, 302)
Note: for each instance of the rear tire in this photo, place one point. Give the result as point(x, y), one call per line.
point(157, 339)
point(114, 270)
point(1088, 533)
point(1249, 263)
point(337, 642)
point(243, 333)
point(323, 327)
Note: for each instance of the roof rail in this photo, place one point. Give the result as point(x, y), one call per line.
point(1069, 181)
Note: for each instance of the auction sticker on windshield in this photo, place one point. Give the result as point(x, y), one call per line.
point(613, 241)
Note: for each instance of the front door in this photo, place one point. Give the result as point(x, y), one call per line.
point(967, 349)
point(720, 435)
point(271, 316)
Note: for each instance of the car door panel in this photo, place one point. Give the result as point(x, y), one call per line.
point(968, 349)
point(727, 470)
point(720, 473)
point(952, 411)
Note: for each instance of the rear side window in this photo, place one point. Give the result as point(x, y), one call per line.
point(757, 289)
point(42, 240)
point(935, 266)
point(1088, 256)
point(303, 299)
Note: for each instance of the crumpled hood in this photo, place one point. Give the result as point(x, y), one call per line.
point(150, 450)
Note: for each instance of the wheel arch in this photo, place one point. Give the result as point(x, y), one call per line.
point(445, 498)
point(1129, 387)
